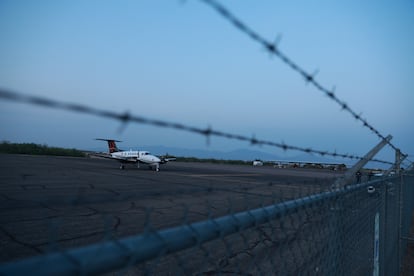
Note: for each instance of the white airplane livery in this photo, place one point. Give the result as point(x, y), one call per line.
point(133, 156)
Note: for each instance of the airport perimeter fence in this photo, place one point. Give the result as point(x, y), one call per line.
point(362, 229)
point(359, 229)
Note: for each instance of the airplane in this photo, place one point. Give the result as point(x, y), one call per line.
point(133, 156)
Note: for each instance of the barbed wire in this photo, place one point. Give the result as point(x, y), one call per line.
point(126, 117)
point(273, 49)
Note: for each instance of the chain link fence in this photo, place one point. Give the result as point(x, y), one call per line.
point(362, 229)
point(406, 209)
point(311, 229)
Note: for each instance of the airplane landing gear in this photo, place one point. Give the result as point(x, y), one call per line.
point(121, 167)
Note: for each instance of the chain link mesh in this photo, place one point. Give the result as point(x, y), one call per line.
point(291, 232)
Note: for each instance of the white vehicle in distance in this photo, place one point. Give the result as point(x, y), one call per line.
point(257, 162)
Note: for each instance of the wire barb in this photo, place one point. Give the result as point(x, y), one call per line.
point(271, 47)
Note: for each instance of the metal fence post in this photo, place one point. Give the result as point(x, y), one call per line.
point(383, 230)
point(400, 226)
point(397, 165)
point(397, 161)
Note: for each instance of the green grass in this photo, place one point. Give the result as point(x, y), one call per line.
point(35, 149)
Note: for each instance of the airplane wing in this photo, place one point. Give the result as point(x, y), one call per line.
point(125, 159)
point(167, 158)
point(120, 159)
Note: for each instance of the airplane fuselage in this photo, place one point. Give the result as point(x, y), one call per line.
point(139, 156)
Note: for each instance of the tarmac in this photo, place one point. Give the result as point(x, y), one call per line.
point(54, 203)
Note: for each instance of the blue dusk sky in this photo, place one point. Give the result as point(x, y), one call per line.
point(182, 62)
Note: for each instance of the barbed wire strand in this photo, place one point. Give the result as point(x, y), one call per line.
point(272, 48)
point(126, 117)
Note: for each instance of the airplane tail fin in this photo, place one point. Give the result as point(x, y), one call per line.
point(111, 144)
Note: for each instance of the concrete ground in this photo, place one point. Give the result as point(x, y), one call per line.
point(52, 203)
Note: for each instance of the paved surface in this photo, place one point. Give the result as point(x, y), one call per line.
point(50, 203)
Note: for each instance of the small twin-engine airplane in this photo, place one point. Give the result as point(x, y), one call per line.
point(133, 156)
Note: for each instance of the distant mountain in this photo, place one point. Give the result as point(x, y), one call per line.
point(241, 154)
point(319, 159)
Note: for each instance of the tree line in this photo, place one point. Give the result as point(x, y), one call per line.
point(36, 149)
